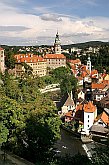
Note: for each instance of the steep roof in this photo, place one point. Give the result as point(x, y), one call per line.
point(89, 107)
point(66, 101)
point(54, 56)
point(104, 117)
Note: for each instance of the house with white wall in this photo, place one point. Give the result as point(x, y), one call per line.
point(90, 113)
point(66, 104)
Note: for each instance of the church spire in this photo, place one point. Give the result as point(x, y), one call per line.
point(57, 44)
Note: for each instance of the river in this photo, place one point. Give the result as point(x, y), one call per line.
point(68, 144)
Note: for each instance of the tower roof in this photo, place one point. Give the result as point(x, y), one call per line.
point(57, 40)
point(89, 107)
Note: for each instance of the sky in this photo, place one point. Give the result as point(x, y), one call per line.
point(36, 22)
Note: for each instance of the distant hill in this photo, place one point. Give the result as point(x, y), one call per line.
point(79, 45)
point(86, 44)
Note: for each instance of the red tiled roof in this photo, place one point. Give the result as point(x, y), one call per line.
point(98, 86)
point(84, 74)
point(94, 72)
point(104, 117)
point(28, 58)
point(89, 107)
point(74, 61)
point(18, 56)
point(32, 59)
point(54, 56)
point(69, 114)
point(1, 49)
point(106, 82)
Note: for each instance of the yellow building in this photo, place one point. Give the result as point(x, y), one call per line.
point(55, 60)
point(37, 63)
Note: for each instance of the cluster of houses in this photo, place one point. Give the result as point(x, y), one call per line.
point(92, 95)
point(90, 111)
point(40, 64)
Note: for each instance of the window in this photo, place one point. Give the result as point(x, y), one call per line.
point(88, 116)
point(88, 126)
point(88, 121)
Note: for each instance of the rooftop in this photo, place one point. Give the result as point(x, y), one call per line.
point(54, 56)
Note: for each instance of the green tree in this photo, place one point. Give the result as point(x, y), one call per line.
point(13, 120)
point(10, 60)
point(101, 155)
point(3, 133)
point(68, 84)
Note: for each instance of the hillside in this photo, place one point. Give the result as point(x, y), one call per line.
point(86, 44)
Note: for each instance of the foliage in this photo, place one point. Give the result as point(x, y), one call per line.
point(9, 60)
point(11, 115)
point(68, 84)
point(27, 116)
point(42, 130)
point(71, 160)
point(3, 133)
point(101, 155)
point(64, 77)
point(60, 73)
point(28, 69)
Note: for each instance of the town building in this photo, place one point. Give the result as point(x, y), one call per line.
point(66, 104)
point(57, 59)
point(90, 113)
point(85, 114)
point(37, 63)
point(2, 60)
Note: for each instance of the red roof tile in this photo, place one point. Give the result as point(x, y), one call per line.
point(89, 107)
point(28, 58)
point(1, 49)
point(104, 117)
point(54, 56)
point(98, 86)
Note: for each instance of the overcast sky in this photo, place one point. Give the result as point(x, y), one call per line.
point(35, 22)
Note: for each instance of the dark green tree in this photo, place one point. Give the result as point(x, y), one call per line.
point(10, 60)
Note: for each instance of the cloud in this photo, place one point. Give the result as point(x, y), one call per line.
point(13, 28)
point(51, 17)
point(89, 2)
point(24, 28)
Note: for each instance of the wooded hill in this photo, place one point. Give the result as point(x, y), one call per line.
point(86, 44)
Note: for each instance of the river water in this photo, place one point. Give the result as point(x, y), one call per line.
point(68, 144)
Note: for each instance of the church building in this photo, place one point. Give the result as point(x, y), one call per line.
point(57, 59)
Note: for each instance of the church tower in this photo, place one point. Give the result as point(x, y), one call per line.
point(57, 45)
point(88, 67)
